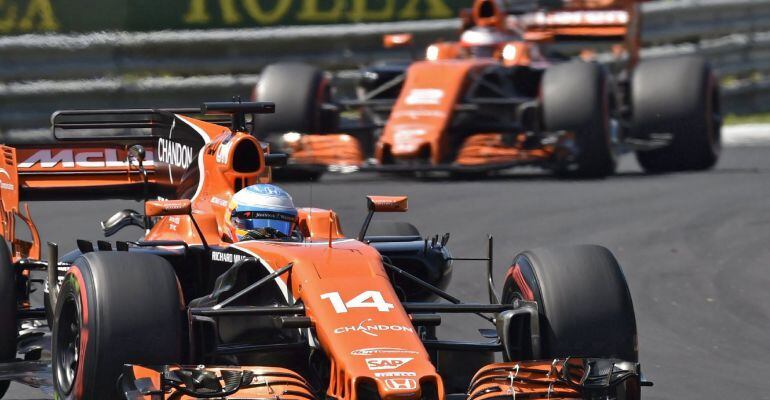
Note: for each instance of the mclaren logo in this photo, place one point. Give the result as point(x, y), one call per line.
point(174, 153)
point(97, 158)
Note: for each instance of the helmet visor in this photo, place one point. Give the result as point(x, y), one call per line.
point(253, 220)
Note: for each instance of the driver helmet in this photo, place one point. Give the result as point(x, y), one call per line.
point(484, 41)
point(262, 211)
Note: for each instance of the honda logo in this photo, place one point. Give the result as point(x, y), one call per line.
point(401, 384)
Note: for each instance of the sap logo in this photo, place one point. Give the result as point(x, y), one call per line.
point(373, 329)
point(401, 384)
point(375, 364)
point(83, 159)
point(174, 153)
point(394, 374)
point(380, 350)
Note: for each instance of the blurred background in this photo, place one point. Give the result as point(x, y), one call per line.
point(57, 54)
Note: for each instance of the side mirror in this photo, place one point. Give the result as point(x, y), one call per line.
point(395, 40)
point(276, 159)
point(160, 208)
point(382, 204)
point(387, 203)
point(122, 219)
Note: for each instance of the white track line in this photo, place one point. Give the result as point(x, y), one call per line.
point(746, 135)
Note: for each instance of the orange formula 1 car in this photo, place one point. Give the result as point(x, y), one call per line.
point(505, 95)
point(189, 312)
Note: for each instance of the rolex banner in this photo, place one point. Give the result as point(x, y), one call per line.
point(73, 16)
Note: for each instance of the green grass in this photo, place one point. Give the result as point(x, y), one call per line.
point(733, 119)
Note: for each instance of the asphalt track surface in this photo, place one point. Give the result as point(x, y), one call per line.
point(695, 248)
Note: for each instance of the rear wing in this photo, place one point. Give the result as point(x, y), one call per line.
point(609, 20)
point(86, 153)
point(134, 153)
point(584, 23)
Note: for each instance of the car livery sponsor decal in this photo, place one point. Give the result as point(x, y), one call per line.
point(400, 384)
point(424, 97)
point(68, 158)
point(375, 364)
point(371, 329)
point(223, 151)
point(393, 374)
point(220, 202)
point(4, 185)
point(174, 153)
point(381, 350)
point(226, 257)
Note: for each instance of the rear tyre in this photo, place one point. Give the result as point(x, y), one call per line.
point(583, 301)
point(8, 327)
point(113, 308)
point(575, 98)
point(680, 97)
point(299, 92)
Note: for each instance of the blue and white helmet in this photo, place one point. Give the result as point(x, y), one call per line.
point(262, 207)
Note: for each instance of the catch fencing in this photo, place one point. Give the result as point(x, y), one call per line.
point(42, 73)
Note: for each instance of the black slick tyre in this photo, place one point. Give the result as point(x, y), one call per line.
point(583, 300)
point(8, 326)
point(113, 308)
point(677, 97)
point(299, 92)
point(575, 98)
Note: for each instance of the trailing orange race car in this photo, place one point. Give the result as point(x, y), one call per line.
point(505, 95)
point(235, 293)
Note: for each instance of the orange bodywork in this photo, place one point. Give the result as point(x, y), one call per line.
point(357, 317)
point(421, 115)
point(490, 148)
point(270, 382)
point(418, 129)
point(327, 149)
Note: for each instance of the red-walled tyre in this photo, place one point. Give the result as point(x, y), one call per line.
point(583, 301)
point(8, 326)
point(114, 308)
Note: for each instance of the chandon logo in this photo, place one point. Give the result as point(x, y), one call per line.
point(174, 153)
point(367, 328)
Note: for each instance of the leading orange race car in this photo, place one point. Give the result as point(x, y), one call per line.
point(508, 93)
point(201, 307)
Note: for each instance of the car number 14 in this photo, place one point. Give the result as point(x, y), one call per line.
point(368, 299)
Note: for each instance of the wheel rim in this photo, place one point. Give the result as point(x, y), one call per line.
point(67, 358)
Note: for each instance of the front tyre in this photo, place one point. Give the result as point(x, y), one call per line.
point(583, 301)
point(113, 308)
point(575, 99)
